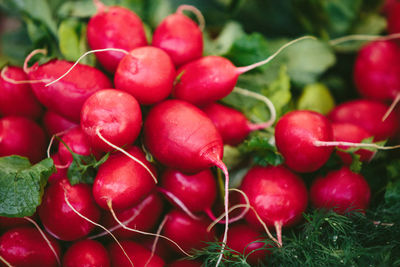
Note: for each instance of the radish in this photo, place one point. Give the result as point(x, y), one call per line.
point(368, 115)
point(392, 9)
point(187, 232)
point(377, 70)
point(116, 27)
point(243, 239)
point(122, 181)
point(86, 253)
point(7, 223)
point(142, 216)
point(112, 115)
point(211, 78)
point(59, 219)
point(66, 96)
point(61, 169)
point(17, 98)
point(349, 132)
point(78, 142)
point(295, 135)
point(277, 195)
point(54, 123)
point(196, 191)
point(180, 37)
point(21, 136)
point(139, 255)
point(341, 190)
point(231, 123)
point(147, 73)
point(181, 136)
point(26, 247)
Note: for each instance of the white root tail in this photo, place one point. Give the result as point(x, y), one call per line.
point(196, 12)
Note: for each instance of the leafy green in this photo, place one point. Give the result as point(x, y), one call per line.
point(22, 185)
point(316, 97)
point(260, 148)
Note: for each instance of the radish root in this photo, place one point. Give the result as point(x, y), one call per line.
point(30, 56)
point(363, 37)
point(142, 232)
point(84, 55)
point(278, 229)
point(392, 106)
point(196, 12)
point(350, 144)
point(127, 154)
point(94, 223)
point(244, 69)
point(12, 81)
point(268, 103)
point(153, 247)
point(5, 262)
point(45, 238)
point(178, 202)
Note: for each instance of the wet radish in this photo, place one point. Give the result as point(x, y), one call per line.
point(341, 190)
point(115, 27)
point(278, 196)
point(86, 253)
point(55, 123)
point(295, 135)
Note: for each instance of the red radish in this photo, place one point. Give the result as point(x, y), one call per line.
point(296, 133)
point(208, 79)
point(187, 232)
point(61, 169)
point(26, 247)
point(180, 37)
point(147, 73)
point(122, 181)
point(21, 136)
point(278, 196)
point(115, 115)
point(115, 27)
point(349, 132)
point(392, 9)
point(142, 216)
point(185, 263)
point(7, 223)
point(181, 136)
point(55, 123)
point(243, 239)
point(86, 253)
point(197, 191)
point(231, 123)
point(341, 190)
point(139, 255)
point(59, 219)
point(17, 99)
point(78, 142)
point(377, 70)
point(368, 115)
point(161, 249)
point(66, 96)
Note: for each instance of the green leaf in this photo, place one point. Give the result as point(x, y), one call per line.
point(83, 169)
point(77, 9)
point(259, 147)
point(316, 97)
point(219, 46)
point(22, 185)
point(15, 45)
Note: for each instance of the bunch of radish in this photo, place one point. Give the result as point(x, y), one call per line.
point(159, 133)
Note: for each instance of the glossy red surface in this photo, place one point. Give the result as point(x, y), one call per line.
point(86, 253)
point(22, 136)
point(180, 37)
point(18, 99)
point(115, 27)
point(59, 219)
point(66, 96)
point(181, 136)
point(147, 73)
point(295, 134)
point(341, 190)
point(277, 194)
point(116, 114)
point(123, 181)
point(205, 80)
point(55, 123)
point(26, 247)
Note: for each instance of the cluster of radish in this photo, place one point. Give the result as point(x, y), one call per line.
point(162, 102)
